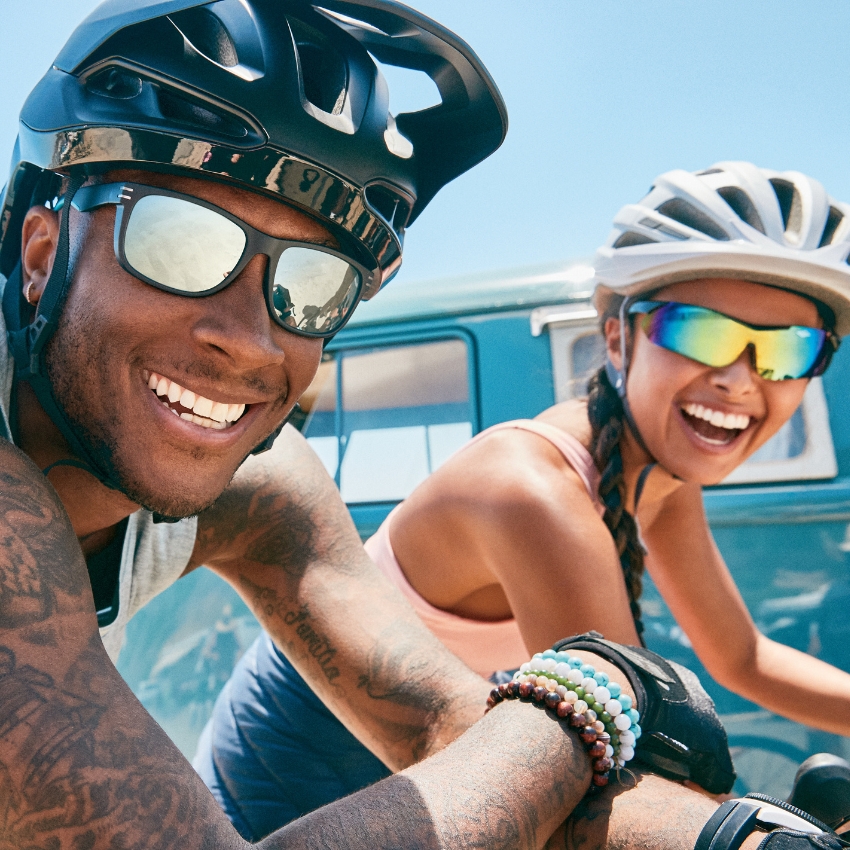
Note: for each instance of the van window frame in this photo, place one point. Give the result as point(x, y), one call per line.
point(401, 339)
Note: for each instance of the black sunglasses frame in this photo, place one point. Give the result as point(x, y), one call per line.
point(126, 195)
point(830, 344)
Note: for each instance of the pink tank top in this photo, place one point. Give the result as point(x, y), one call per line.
point(483, 646)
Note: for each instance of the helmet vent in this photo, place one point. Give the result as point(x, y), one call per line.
point(744, 208)
point(785, 196)
point(709, 171)
point(630, 238)
point(118, 83)
point(201, 116)
point(207, 34)
point(394, 209)
point(687, 214)
point(833, 220)
point(324, 72)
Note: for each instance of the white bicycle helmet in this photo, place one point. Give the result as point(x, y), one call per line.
point(731, 220)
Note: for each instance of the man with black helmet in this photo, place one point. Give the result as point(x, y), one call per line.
point(202, 193)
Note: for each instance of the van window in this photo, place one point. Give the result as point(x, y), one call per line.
point(382, 419)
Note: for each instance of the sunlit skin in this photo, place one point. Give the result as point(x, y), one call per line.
point(506, 528)
point(225, 347)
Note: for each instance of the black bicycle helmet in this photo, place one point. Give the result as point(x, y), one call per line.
point(282, 97)
point(279, 96)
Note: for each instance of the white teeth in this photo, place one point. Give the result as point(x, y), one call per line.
point(729, 421)
point(203, 407)
point(218, 411)
point(205, 412)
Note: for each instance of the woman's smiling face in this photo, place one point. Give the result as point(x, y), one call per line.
point(701, 422)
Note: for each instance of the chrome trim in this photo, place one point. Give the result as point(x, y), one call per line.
point(269, 170)
point(565, 314)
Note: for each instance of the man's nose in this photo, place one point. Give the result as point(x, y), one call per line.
point(236, 322)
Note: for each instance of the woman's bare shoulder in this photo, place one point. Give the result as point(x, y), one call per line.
point(571, 417)
point(509, 469)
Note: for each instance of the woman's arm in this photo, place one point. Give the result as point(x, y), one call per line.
point(690, 574)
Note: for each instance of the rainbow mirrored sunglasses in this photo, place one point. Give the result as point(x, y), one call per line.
point(714, 339)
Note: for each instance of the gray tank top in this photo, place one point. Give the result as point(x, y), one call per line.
point(154, 555)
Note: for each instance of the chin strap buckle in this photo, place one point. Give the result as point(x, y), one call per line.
point(786, 826)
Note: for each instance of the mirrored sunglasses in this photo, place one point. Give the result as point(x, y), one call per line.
point(714, 339)
point(186, 246)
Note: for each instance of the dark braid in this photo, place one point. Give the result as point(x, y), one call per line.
point(607, 420)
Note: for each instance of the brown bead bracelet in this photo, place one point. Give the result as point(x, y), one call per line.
point(595, 743)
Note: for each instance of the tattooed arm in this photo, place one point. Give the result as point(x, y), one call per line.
point(83, 767)
point(282, 537)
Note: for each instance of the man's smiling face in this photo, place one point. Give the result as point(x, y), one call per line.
point(126, 357)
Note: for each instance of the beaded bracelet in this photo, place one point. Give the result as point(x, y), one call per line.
point(588, 700)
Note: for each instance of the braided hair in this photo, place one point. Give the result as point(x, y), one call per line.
point(608, 421)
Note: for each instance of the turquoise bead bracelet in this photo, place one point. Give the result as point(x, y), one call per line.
point(607, 722)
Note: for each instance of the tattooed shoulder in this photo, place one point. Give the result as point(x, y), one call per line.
point(35, 534)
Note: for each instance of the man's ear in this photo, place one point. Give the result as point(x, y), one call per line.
point(612, 341)
point(39, 238)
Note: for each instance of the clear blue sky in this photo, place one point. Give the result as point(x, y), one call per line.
point(603, 95)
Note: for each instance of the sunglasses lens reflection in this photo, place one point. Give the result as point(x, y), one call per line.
point(313, 291)
point(180, 245)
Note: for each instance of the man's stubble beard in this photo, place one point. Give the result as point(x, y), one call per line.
point(70, 346)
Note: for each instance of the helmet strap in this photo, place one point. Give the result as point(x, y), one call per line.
point(28, 340)
point(619, 377)
point(269, 441)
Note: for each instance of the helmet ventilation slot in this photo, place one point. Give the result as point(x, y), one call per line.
point(744, 208)
point(208, 35)
point(394, 209)
point(324, 72)
point(834, 218)
point(630, 238)
point(785, 192)
point(687, 214)
point(117, 83)
point(192, 113)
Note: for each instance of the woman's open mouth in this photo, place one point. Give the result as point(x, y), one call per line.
point(192, 407)
point(714, 426)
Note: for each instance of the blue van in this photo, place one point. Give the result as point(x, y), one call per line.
point(420, 370)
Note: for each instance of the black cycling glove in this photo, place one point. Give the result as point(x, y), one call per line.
point(682, 737)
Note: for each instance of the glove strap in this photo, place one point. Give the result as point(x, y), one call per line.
point(728, 826)
point(736, 820)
